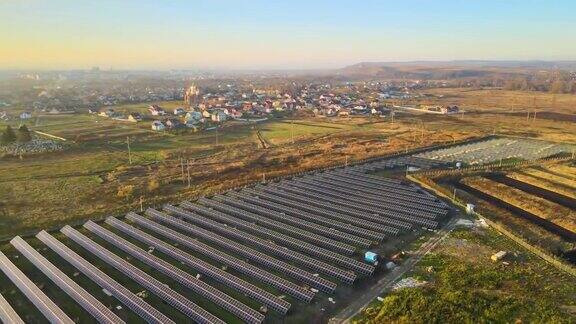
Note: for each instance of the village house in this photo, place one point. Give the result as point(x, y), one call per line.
point(219, 116)
point(344, 113)
point(450, 110)
point(158, 126)
point(235, 114)
point(179, 111)
point(25, 115)
point(193, 116)
point(109, 112)
point(173, 123)
point(156, 110)
point(135, 117)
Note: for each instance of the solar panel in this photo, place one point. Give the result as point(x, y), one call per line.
point(342, 230)
point(7, 313)
point(320, 230)
point(173, 298)
point(239, 265)
point(348, 193)
point(187, 280)
point(394, 217)
point(283, 252)
point(341, 222)
point(276, 236)
point(374, 196)
point(51, 311)
point(246, 251)
point(352, 208)
point(100, 312)
point(330, 211)
point(125, 296)
point(203, 267)
point(259, 216)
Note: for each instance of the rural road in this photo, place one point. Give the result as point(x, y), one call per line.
point(387, 281)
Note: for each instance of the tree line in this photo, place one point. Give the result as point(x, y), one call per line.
point(21, 135)
point(545, 81)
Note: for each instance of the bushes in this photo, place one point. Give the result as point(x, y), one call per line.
point(126, 191)
point(153, 185)
point(23, 134)
point(431, 305)
point(463, 292)
point(8, 136)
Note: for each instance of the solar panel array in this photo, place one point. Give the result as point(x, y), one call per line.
point(100, 312)
point(45, 305)
point(298, 237)
point(203, 267)
point(248, 252)
point(7, 313)
point(169, 295)
point(125, 296)
point(186, 279)
point(496, 149)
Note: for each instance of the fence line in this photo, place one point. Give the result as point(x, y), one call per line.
point(551, 259)
point(490, 167)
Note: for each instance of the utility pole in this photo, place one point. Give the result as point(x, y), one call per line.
point(188, 169)
point(182, 168)
point(534, 115)
point(129, 151)
point(141, 203)
point(292, 130)
point(422, 133)
point(346, 160)
point(263, 177)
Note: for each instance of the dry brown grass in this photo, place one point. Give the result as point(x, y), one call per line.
point(498, 100)
point(540, 207)
point(551, 181)
point(505, 112)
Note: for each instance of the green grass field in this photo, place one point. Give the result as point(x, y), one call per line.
point(280, 132)
point(465, 286)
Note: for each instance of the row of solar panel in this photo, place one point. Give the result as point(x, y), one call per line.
point(280, 238)
point(280, 251)
point(386, 199)
point(397, 219)
point(321, 206)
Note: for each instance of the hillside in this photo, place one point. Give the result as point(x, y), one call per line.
point(442, 70)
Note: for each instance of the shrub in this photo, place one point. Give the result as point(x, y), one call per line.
point(153, 185)
point(23, 134)
point(8, 136)
point(126, 191)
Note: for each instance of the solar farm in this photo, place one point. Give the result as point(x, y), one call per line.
point(496, 149)
point(279, 251)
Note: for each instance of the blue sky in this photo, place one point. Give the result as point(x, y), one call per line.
point(278, 34)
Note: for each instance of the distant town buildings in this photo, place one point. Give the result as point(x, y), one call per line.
point(25, 115)
point(158, 125)
point(156, 110)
